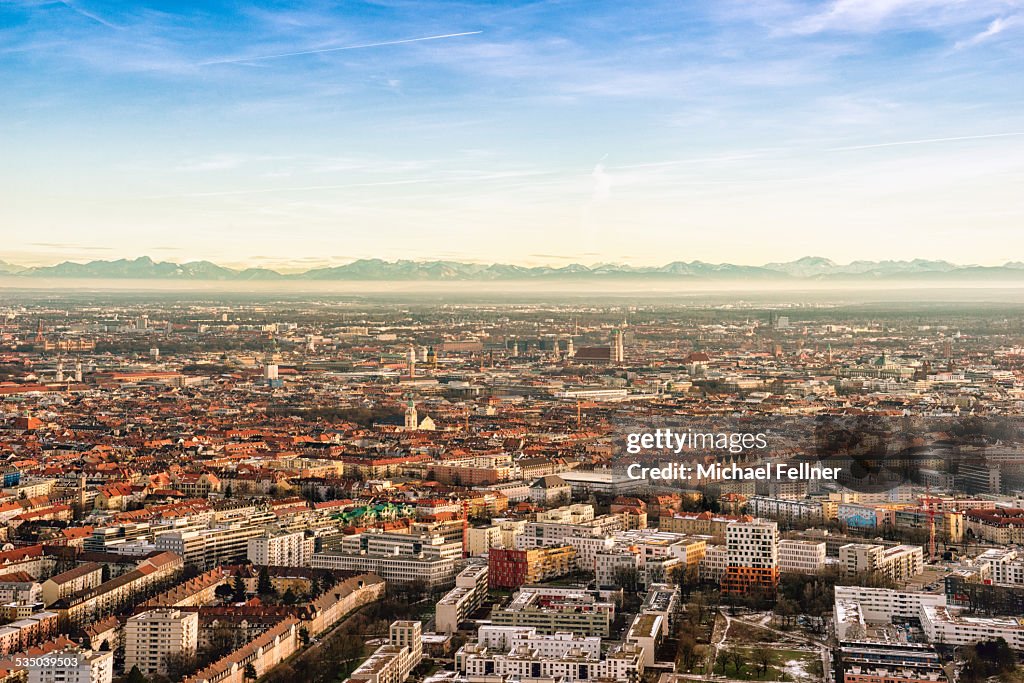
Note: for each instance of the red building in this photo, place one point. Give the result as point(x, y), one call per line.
point(507, 568)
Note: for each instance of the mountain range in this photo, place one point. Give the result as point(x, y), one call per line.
point(807, 268)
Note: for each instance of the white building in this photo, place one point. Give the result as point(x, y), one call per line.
point(152, 637)
point(783, 509)
point(71, 665)
point(856, 606)
point(712, 565)
point(623, 663)
point(393, 662)
point(468, 594)
point(753, 555)
point(281, 549)
point(481, 539)
point(403, 558)
point(943, 626)
point(801, 557)
point(898, 563)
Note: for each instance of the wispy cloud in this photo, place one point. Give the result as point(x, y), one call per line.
point(996, 27)
point(854, 16)
point(78, 9)
point(361, 46)
point(926, 141)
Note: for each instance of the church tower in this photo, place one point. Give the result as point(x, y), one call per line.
point(412, 422)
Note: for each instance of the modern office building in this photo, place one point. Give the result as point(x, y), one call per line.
point(402, 558)
point(801, 557)
point(551, 610)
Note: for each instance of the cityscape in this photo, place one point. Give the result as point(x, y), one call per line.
point(211, 487)
point(518, 341)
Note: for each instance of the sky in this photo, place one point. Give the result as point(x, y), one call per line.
point(295, 135)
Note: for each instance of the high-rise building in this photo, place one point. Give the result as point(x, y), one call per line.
point(71, 665)
point(753, 557)
point(152, 639)
point(281, 549)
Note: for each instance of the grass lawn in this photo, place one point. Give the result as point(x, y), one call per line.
point(741, 631)
point(785, 665)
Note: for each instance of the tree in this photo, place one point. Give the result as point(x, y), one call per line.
point(264, 586)
point(304, 635)
point(289, 597)
point(238, 588)
point(762, 658)
point(250, 672)
point(687, 647)
point(224, 592)
point(628, 578)
point(179, 665)
point(136, 676)
point(722, 660)
point(739, 660)
point(105, 646)
point(986, 659)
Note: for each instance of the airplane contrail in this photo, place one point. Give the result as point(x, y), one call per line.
point(236, 60)
point(925, 141)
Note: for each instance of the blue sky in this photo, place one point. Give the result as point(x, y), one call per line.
point(527, 132)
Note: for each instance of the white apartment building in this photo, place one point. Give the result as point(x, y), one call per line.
point(393, 662)
point(856, 606)
point(224, 543)
point(622, 663)
point(71, 665)
point(653, 554)
point(753, 556)
point(281, 549)
point(481, 539)
point(151, 637)
point(1003, 566)
point(712, 565)
point(881, 605)
point(753, 544)
point(551, 609)
point(801, 557)
point(783, 509)
point(577, 513)
point(898, 563)
point(468, 594)
point(510, 531)
point(505, 638)
point(943, 626)
point(544, 534)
